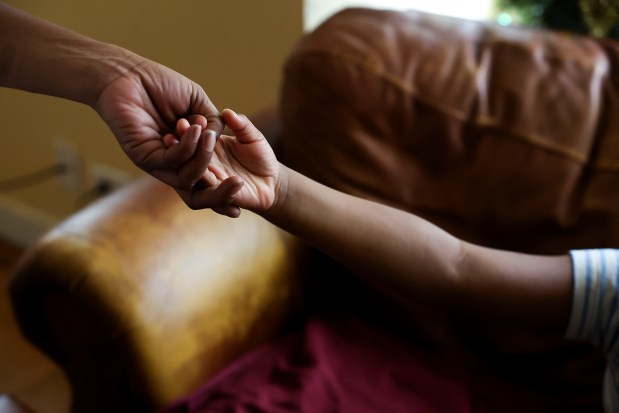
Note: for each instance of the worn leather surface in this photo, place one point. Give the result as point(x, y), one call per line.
point(141, 299)
point(505, 137)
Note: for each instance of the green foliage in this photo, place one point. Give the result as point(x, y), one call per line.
point(524, 12)
point(565, 15)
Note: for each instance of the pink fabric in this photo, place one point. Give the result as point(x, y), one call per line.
point(333, 364)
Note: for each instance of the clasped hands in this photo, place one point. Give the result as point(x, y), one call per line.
point(241, 170)
point(224, 173)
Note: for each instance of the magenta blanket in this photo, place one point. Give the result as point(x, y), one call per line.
point(341, 362)
point(334, 364)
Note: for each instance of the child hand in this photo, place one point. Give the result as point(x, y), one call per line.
point(243, 172)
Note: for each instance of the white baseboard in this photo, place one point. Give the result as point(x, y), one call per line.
point(22, 225)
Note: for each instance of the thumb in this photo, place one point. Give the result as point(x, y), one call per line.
point(241, 126)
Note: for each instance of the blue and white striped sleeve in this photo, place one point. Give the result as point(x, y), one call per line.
point(594, 315)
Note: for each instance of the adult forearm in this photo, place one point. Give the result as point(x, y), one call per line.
point(41, 57)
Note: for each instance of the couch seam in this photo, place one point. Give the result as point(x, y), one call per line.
point(411, 91)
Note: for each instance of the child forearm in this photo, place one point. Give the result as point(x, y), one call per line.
point(414, 257)
point(370, 238)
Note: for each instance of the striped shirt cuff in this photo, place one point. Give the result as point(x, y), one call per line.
point(594, 296)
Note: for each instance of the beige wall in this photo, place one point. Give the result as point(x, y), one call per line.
point(233, 48)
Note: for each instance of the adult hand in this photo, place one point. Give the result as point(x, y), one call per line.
point(143, 105)
point(140, 100)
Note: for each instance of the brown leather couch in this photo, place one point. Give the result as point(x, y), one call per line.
point(505, 137)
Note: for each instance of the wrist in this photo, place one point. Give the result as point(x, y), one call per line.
point(106, 64)
point(280, 200)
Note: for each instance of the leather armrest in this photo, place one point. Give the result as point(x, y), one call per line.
point(141, 299)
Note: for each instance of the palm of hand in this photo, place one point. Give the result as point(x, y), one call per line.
point(255, 163)
point(135, 122)
point(142, 106)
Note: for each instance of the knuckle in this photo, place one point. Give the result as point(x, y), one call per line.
point(193, 206)
point(184, 186)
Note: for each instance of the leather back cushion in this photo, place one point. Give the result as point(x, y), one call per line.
point(504, 137)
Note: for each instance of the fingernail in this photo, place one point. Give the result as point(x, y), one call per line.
point(197, 130)
point(211, 140)
point(239, 187)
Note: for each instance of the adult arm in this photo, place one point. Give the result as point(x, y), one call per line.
point(139, 99)
point(41, 57)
